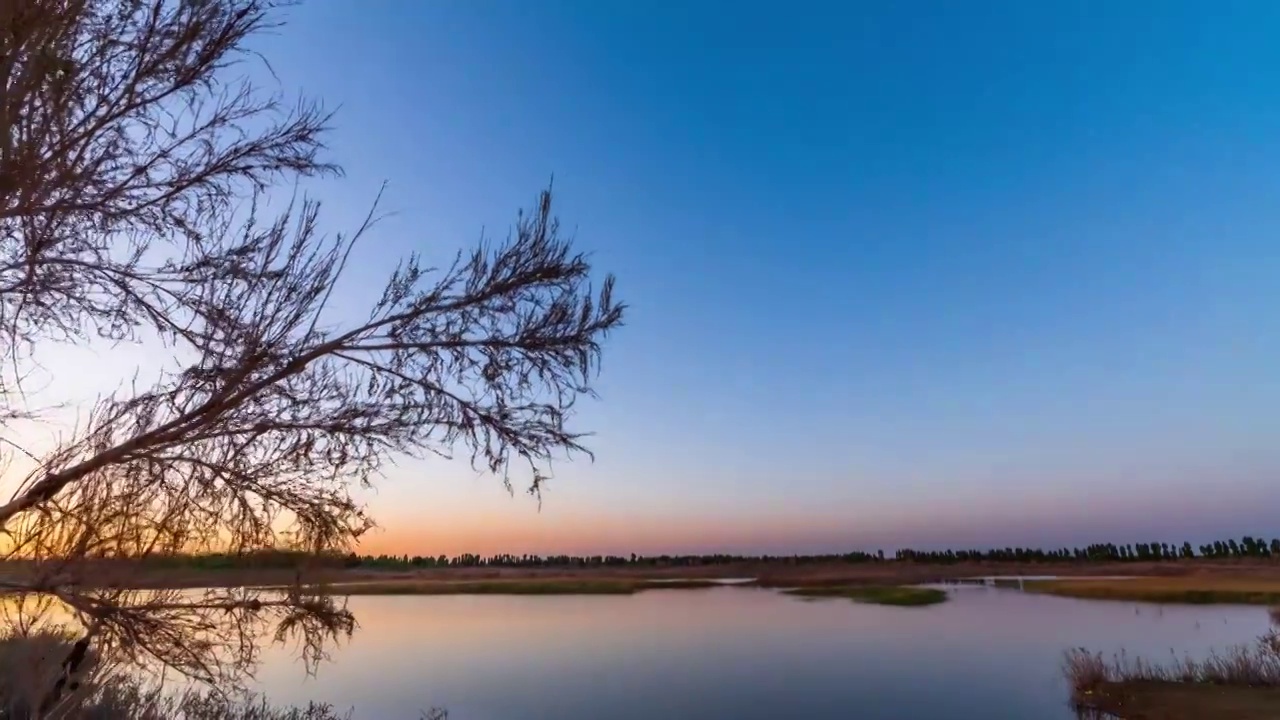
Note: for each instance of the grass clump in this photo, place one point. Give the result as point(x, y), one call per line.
point(1191, 590)
point(898, 595)
point(557, 586)
point(1248, 665)
point(125, 699)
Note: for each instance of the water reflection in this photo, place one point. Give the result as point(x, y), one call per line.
point(207, 635)
point(1091, 714)
point(739, 653)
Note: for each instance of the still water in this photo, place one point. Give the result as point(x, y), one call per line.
point(734, 654)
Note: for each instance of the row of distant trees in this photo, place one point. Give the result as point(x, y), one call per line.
point(1246, 547)
point(572, 561)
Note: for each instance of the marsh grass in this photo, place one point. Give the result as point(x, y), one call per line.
point(1188, 589)
point(1246, 665)
point(550, 586)
point(127, 699)
point(901, 596)
point(1242, 683)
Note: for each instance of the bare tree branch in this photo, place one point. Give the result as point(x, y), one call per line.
point(134, 166)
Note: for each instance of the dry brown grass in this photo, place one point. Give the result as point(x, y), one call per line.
point(1197, 589)
point(539, 586)
point(774, 574)
point(1242, 683)
point(1242, 665)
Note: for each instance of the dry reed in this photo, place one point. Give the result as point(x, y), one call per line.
point(1256, 665)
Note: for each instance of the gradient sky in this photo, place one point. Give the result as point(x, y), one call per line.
point(918, 273)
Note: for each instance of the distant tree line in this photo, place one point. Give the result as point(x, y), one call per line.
point(588, 561)
point(1246, 547)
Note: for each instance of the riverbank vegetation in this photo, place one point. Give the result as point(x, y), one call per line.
point(876, 595)
point(545, 586)
point(1242, 683)
point(278, 569)
point(1189, 589)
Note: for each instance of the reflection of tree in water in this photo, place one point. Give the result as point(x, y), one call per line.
point(29, 663)
point(184, 629)
point(133, 208)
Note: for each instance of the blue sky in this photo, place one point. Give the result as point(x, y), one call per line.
point(926, 273)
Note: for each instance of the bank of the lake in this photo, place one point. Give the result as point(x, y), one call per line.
point(537, 586)
point(1200, 589)
point(776, 574)
point(1159, 700)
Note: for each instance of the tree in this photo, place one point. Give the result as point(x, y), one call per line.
point(136, 161)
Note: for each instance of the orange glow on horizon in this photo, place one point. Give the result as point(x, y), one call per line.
point(542, 535)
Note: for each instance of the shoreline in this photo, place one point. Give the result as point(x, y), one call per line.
point(1186, 590)
point(1163, 700)
point(1192, 581)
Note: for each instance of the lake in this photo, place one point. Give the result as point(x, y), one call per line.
point(734, 654)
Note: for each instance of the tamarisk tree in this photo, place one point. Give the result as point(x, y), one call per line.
point(136, 160)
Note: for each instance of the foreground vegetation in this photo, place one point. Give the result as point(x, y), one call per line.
point(1190, 589)
point(876, 595)
point(1241, 684)
point(128, 699)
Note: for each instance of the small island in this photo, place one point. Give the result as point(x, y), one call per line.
point(899, 595)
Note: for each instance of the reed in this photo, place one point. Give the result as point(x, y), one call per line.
point(1242, 683)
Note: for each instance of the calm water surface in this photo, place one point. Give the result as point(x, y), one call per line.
point(734, 653)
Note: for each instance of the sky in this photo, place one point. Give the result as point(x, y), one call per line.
point(900, 274)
